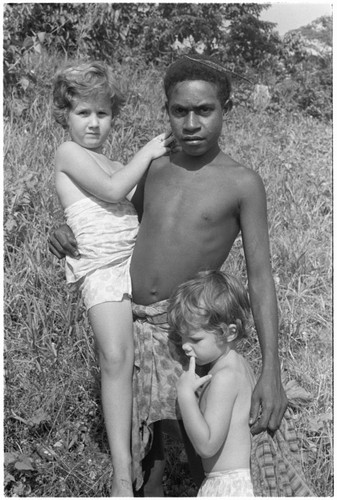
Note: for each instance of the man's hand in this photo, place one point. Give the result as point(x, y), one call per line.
point(269, 402)
point(62, 242)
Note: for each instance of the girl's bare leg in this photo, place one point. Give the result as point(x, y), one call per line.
point(112, 326)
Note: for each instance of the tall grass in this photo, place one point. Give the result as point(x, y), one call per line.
point(54, 434)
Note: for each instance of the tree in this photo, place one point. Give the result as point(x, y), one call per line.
point(252, 39)
point(117, 30)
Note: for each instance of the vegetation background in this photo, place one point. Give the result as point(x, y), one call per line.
point(55, 442)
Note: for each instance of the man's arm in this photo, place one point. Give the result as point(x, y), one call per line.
point(268, 394)
point(62, 242)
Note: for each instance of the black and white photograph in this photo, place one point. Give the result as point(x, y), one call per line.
point(167, 249)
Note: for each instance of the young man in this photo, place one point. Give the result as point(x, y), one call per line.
point(193, 205)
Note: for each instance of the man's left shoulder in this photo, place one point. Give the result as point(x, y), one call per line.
point(247, 179)
point(243, 177)
point(245, 173)
point(226, 163)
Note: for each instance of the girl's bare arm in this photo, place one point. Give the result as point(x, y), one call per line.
point(74, 161)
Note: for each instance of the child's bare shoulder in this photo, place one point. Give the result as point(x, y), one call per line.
point(70, 156)
point(225, 377)
point(66, 153)
point(234, 368)
point(68, 147)
point(69, 151)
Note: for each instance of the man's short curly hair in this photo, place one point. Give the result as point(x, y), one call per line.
point(199, 67)
point(208, 302)
point(85, 80)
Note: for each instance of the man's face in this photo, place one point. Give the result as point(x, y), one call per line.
point(196, 116)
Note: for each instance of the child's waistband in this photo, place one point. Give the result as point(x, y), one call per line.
point(227, 472)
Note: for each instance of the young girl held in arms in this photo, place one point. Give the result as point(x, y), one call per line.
point(209, 313)
point(93, 192)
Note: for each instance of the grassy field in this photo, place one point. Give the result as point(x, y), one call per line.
point(54, 434)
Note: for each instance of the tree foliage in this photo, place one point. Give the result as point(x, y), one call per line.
point(146, 34)
point(114, 31)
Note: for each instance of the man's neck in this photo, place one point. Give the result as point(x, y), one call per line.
point(189, 162)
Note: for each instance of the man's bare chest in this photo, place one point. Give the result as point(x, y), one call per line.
point(199, 196)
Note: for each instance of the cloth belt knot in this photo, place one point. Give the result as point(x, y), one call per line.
point(153, 320)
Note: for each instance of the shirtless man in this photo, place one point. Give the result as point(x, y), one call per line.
point(193, 205)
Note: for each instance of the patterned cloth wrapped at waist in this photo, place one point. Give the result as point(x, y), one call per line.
point(159, 361)
point(157, 319)
point(276, 465)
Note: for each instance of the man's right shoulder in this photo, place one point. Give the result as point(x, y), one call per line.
point(158, 164)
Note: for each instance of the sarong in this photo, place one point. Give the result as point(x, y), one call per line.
point(159, 362)
point(275, 463)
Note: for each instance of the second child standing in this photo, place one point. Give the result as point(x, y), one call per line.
point(93, 192)
point(209, 313)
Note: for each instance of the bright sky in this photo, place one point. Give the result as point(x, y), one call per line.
point(293, 15)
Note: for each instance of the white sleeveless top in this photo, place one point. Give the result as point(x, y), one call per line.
point(105, 233)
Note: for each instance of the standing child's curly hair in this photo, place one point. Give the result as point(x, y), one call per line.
point(208, 302)
point(87, 80)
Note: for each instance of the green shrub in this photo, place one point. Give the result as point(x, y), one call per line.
point(144, 35)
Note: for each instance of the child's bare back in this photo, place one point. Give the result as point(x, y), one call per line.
point(209, 312)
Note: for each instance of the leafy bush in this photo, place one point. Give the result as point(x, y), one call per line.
point(115, 32)
point(144, 35)
point(306, 82)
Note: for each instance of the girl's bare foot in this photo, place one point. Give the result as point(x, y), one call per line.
point(121, 487)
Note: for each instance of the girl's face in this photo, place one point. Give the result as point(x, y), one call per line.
point(89, 122)
point(206, 347)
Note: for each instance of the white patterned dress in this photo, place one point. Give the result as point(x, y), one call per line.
point(105, 234)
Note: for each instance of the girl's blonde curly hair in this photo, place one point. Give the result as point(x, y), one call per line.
point(84, 80)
